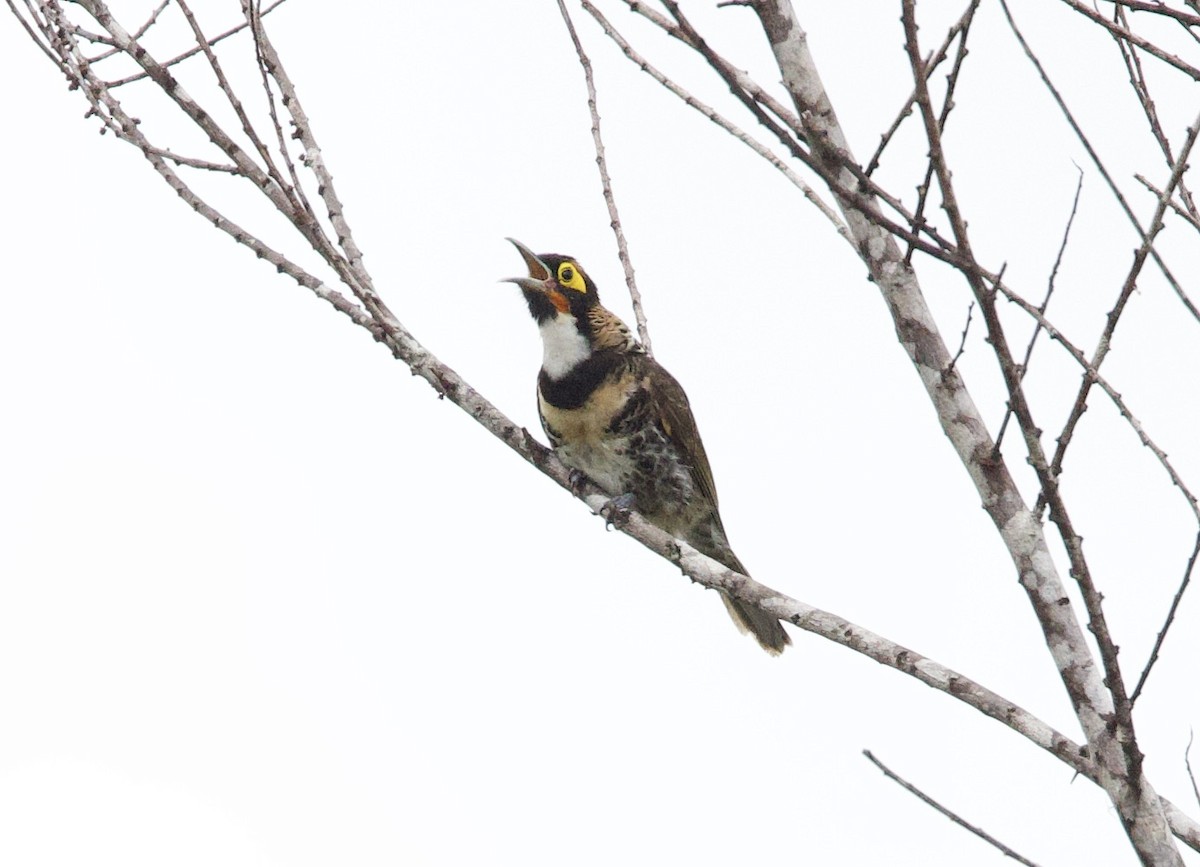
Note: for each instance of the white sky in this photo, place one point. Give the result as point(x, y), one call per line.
point(264, 600)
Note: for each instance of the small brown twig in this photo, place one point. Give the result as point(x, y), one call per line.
point(931, 65)
point(947, 106)
point(639, 313)
point(1083, 140)
point(1146, 45)
point(1160, 8)
point(949, 814)
point(1127, 287)
point(1162, 633)
point(1141, 88)
point(1175, 206)
point(962, 343)
point(1037, 329)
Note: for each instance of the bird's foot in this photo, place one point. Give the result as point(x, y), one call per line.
point(616, 511)
point(577, 479)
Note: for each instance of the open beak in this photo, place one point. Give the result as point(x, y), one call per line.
point(539, 275)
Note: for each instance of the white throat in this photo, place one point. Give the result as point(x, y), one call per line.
point(563, 347)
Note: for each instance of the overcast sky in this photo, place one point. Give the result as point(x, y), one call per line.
point(265, 600)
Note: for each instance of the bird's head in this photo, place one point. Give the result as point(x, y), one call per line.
point(556, 286)
point(573, 325)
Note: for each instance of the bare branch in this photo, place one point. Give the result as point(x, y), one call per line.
point(192, 52)
point(1141, 87)
point(1187, 760)
point(1162, 633)
point(963, 343)
point(137, 34)
point(949, 814)
point(947, 106)
point(1160, 8)
point(1175, 206)
point(348, 266)
point(1133, 39)
point(1119, 402)
point(1083, 140)
point(1062, 248)
point(932, 64)
point(234, 102)
point(639, 314)
point(1114, 315)
point(720, 121)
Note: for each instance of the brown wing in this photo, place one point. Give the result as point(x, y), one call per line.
point(675, 416)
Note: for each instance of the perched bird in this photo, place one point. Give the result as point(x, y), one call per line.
point(614, 414)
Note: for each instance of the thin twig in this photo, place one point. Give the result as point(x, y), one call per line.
point(930, 66)
point(949, 814)
point(737, 132)
point(196, 163)
point(137, 34)
point(192, 52)
point(1141, 87)
point(1144, 44)
point(639, 314)
point(793, 136)
point(1118, 401)
point(1114, 315)
point(963, 343)
point(1175, 206)
point(1160, 8)
point(238, 109)
point(1062, 248)
point(281, 142)
point(1187, 761)
point(348, 262)
point(1162, 633)
point(1087, 145)
point(947, 105)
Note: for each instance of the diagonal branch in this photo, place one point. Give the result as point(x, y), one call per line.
point(1130, 283)
point(1133, 39)
point(1170, 619)
point(191, 52)
point(1062, 249)
point(947, 105)
point(1087, 145)
point(957, 27)
point(710, 113)
point(949, 814)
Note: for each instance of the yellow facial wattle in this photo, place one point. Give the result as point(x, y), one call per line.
point(569, 277)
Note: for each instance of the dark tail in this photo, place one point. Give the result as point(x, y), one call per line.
point(766, 629)
point(709, 538)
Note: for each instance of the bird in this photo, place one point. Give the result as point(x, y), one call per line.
point(616, 416)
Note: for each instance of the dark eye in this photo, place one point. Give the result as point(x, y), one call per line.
point(567, 274)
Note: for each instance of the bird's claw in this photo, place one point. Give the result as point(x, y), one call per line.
point(616, 511)
point(577, 479)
